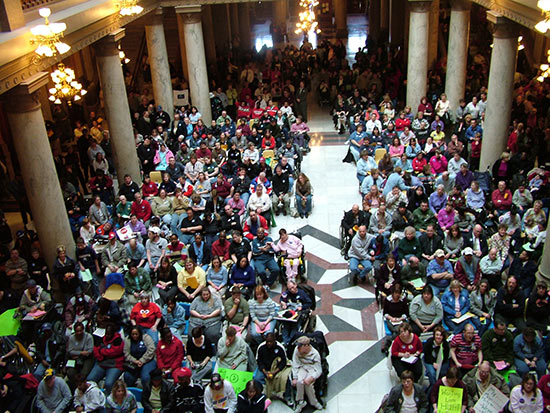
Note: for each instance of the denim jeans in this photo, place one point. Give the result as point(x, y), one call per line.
point(175, 224)
point(303, 210)
point(110, 375)
point(154, 334)
point(354, 267)
point(130, 378)
point(261, 264)
point(431, 372)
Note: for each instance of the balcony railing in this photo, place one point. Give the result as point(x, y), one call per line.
point(30, 4)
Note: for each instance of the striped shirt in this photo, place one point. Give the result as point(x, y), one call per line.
point(466, 352)
point(261, 312)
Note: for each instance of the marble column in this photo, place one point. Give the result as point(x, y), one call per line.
point(459, 36)
point(117, 110)
point(244, 27)
point(500, 90)
point(341, 18)
point(544, 267)
point(183, 54)
point(280, 13)
point(235, 28)
point(384, 15)
point(433, 33)
point(158, 61)
point(209, 38)
point(417, 67)
point(32, 146)
point(196, 59)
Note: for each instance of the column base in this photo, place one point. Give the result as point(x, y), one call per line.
point(540, 276)
point(341, 33)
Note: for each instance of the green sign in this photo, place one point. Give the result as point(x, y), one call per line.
point(449, 400)
point(237, 378)
point(8, 324)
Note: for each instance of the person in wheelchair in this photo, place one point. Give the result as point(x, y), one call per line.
point(306, 368)
point(300, 130)
point(294, 300)
point(291, 248)
point(351, 222)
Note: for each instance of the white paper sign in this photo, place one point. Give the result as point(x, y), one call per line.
point(492, 401)
point(125, 233)
point(181, 97)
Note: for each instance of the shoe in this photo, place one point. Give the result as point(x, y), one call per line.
point(307, 215)
point(284, 213)
point(354, 279)
point(289, 403)
point(318, 406)
point(277, 213)
point(300, 406)
point(346, 257)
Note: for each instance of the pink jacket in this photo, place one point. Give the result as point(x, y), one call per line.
point(293, 246)
point(438, 165)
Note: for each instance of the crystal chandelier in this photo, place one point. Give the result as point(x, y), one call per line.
point(65, 86)
point(307, 21)
point(544, 24)
point(545, 69)
point(48, 36)
point(129, 7)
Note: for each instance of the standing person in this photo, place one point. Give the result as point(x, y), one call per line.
point(306, 368)
point(301, 101)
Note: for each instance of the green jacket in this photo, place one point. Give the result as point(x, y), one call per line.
point(471, 387)
point(497, 348)
point(141, 282)
point(423, 219)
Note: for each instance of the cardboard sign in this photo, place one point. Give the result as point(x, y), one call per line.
point(449, 400)
point(125, 233)
point(491, 401)
point(181, 97)
point(237, 378)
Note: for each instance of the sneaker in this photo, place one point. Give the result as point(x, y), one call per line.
point(300, 406)
point(318, 406)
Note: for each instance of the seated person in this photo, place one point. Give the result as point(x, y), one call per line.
point(251, 399)
point(537, 310)
point(120, 399)
point(80, 348)
point(395, 309)
point(114, 256)
point(174, 317)
point(237, 310)
point(407, 396)
point(361, 253)
point(109, 356)
point(188, 395)
point(206, 312)
point(491, 268)
point(136, 281)
point(405, 352)
point(219, 396)
point(529, 353)
point(306, 368)
point(49, 351)
point(167, 280)
point(157, 395)
point(451, 379)
point(232, 351)
point(425, 311)
point(53, 394)
point(292, 247)
point(139, 357)
point(263, 261)
point(170, 352)
point(200, 351)
point(243, 276)
point(466, 349)
point(467, 270)
point(88, 397)
point(497, 345)
point(262, 312)
point(479, 379)
point(439, 272)
point(199, 252)
point(387, 275)
point(456, 303)
point(511, 303)
point(294, 299)
point(191, 280)
point(272, 365)
point(146, 315)
point(434, 346)
point(482, 304)
point(526, 397)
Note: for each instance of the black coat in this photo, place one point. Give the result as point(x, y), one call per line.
point(166, 397)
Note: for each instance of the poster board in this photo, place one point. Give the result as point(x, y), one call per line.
point(237, 378)
point(449, 400)
point(491, 401)
point(181, 97)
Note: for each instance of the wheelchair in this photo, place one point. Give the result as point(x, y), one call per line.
point(280, 258)
point(345, 240)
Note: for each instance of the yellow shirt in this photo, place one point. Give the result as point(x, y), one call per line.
point(198, 277)
point(437, 137)
point(154, 399)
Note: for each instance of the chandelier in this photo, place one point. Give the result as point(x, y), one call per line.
point(307, 21)
point(129, 7)
point(48, 36)
point(544, 24)
point(545, 69)
point(65, 86)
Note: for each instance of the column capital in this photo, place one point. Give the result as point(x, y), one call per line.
point(460, 5)
point(190, 14)
point(502, 27)
point(156, 17)
point(420, 6)
point(24, 97)
point(108, 46)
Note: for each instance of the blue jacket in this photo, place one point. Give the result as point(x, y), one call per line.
point(435, 268)
point(448, 302)
point(394, 180)
point(523, 350)
point(243, 276)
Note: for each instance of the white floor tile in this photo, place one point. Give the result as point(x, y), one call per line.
point(349, 315)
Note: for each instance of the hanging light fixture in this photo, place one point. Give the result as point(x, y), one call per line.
point(544, 24)
point(307, 21)
point(122, 55)
point(129, 7)
point(48, 36)
point(545, 69)
point(65, 86)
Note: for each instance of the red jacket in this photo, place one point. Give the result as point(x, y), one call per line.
point(170, 355)
point(502, 200)
point(110, 353)
point(145, 317)
point(148, 190)
point(248, 224)
point(221, 251)
point(142, 210)
point(399, 347)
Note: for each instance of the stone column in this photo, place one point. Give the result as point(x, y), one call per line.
point(280, 13)
point(433, 35)
point(459, 35)
point(244, 27)
point(384, 15)
point(158, 60)
point(544, 268)
point(235, 28)
point(117, 110)
point(209, 38)
point(417, 67)
point(194, 47)
point(500, 90)
point(341, 18)
point(183, 54)
point(37, 166)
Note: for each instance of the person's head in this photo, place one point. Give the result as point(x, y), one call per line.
point(304, 345)
point(500, 326)
point(390, 261)
point(216, 382)
point(144, 299)
point(237, 236)
point(452, 376)
point(528, 383)
point(440, 189)
point(542, 289)
point(156, 377)
point(260, 294)
point(511, 283)
point(427, 294)
point(253, 388)
point(166, 334)
point(61, 253)
point(292, 286)
point(410, 233)
point(231, 334)
point(424, 205)
point(206, 294)
point(455, 287)
point(439, 334)
point(407, 380)
point(440, 256)
point(405, 331)
point(119, 390)
point(189, 265)
point(396, 290)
